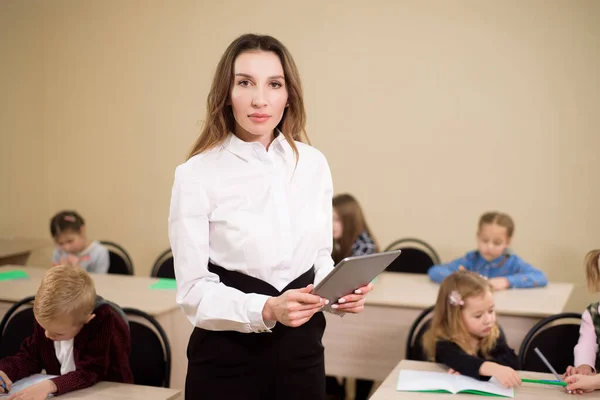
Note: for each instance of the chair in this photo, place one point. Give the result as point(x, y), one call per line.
point(16, 326)
point(417, 256)
point(414, 345)
point(120, 261)
point(164, 266)
point(150, 357)
point(555, 340)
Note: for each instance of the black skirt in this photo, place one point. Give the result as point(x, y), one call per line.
point(287, 363)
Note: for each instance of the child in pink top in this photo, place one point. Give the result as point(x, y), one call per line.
point(582, 377)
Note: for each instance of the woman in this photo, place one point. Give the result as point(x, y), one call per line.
point(250, 229)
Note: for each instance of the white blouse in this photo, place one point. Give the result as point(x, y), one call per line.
point(250, 210)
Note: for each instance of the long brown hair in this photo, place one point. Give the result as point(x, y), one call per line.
point(353, 223)
point(447, 322)
point(592, 269)
point(220, 121)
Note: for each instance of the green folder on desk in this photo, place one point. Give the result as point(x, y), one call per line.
point(13, 275)
point(164, 284)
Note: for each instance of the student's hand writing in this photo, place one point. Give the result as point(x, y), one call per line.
point(353, 303)
point(6, 380)
point(294, 307)
point(453, 372)
point(581, 370)
point(506, 376)
point(39, 391)
point(499, 283)
point(582, 383)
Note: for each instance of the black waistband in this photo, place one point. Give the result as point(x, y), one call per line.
point(249, 284)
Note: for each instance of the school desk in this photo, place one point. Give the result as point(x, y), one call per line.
point(16, 250)
point(527, 391)
point(370, 344)
point(126, 291)
point(122, 391)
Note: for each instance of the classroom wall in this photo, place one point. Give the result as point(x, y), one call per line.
point(429, 112)
point(24, 179)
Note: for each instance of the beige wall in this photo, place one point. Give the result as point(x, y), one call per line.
point(23, 149)
point(429, 112)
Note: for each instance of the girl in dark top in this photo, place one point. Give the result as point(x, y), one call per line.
point(464, 334)
point(351, 234)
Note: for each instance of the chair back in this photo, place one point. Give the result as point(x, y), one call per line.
point(417, 256)
point(16, 326)
point(555, 336)
point(150, 357)
point(120, 261)
point(414, 342)
point(164, 266)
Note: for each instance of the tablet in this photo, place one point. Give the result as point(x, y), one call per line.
point(352, 273)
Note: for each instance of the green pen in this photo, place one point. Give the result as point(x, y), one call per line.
point(545, 382)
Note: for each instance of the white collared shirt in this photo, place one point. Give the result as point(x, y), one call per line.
point(64, 355)
point(253, 211)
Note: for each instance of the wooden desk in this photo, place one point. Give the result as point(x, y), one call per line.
point(16, 250)
point(370, 344)
point(527, 391)
point(118, 391)
point(126, 291)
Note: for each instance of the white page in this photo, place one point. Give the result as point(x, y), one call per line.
point(26, 382)
point(412, 381)
point(409, 380)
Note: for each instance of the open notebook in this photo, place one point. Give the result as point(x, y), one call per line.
point(442, 382)
point(25, 383)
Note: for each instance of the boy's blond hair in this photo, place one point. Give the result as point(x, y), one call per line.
point(65, 290)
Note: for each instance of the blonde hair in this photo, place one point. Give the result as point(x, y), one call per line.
point(447, 322)
point(220, 120)
point(592, 269)
point(65, 290)
point(498, 218)
point(353, 223)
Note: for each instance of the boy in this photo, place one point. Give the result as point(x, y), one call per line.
point(76, 336)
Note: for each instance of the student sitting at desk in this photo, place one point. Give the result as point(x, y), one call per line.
point(73, 337)
point(73, 248)
point(464, 334)
point(586, 351)
point(492, 259)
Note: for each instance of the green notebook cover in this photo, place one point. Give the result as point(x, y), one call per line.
point(13, 275)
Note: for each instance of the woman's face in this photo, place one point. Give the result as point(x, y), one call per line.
point(259, 95)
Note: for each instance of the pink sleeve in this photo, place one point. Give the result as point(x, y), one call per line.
point(587, 346)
